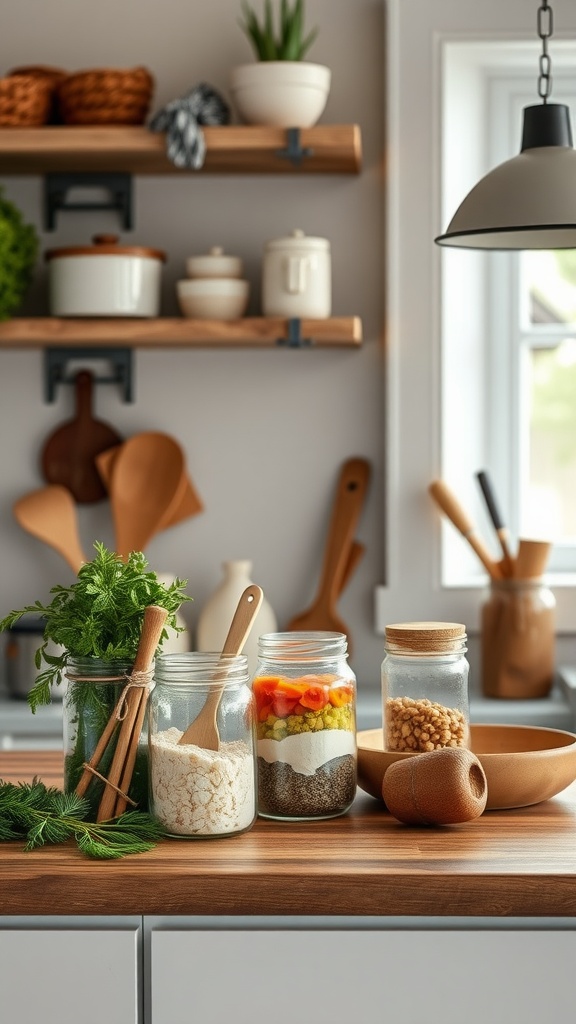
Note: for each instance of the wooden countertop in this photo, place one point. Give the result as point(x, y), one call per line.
point(506, 863)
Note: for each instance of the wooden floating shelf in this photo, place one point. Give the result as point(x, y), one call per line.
point(231, 149)
point(177, 332)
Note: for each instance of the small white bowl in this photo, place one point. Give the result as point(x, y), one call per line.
point(215, 263)
point(213, 298)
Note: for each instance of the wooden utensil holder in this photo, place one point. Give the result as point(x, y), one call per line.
point(518, 639)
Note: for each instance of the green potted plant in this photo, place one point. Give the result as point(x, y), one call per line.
point(280, 88)
point(96, 625)
point(18, 252)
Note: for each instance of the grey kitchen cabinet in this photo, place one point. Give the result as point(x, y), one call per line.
point(436, 974)
point(67, 970)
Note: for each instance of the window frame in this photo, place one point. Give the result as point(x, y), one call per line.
point(416, 374)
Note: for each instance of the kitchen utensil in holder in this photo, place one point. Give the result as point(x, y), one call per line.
point(114, 755)
point(518, 639)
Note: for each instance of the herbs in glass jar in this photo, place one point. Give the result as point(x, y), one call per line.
point(98, 622)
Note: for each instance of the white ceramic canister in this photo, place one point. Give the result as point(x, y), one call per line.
point(105, 279)
point(214, 263)
point(296, 277)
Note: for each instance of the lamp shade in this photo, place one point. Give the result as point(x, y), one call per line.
point(528, 202)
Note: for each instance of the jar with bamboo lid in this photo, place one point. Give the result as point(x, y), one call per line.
point(425, 687)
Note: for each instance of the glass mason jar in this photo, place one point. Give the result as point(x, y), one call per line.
point(195, 791)
point(92, 693)
point(425, 687)
point(518, 639)
point(306, 708)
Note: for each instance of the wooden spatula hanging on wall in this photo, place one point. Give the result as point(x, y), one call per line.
point(349, 500)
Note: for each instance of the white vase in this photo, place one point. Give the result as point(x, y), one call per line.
point(283, 93)
point(218, 612)
point(177, 642)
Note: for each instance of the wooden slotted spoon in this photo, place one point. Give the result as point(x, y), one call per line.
point(203, 732)
point(50, 514)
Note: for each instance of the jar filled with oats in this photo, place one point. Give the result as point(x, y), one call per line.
point(196, 790)
point(425, 687)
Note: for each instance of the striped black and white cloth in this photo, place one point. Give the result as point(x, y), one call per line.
point(182, 119)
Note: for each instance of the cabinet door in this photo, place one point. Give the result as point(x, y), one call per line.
point(69, 976)
point(441, 977)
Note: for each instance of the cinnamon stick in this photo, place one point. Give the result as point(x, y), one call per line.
point(129, 735)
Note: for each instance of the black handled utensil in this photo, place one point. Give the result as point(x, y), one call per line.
point(497, 521)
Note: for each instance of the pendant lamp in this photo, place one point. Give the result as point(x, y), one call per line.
point(528, 202)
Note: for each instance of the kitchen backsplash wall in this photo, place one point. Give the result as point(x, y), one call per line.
point(264, 432)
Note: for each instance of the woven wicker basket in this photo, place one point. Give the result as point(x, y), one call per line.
point(52, 77)
point(106, 96)
point(25, 100)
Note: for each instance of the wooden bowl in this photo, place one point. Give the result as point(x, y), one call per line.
point(524, 764)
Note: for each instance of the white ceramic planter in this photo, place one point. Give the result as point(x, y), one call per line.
point(105, 279)
point(284, 93)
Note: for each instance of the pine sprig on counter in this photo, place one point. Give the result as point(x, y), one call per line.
point(43, 814)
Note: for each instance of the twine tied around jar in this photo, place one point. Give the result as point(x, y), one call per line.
point(130, 711)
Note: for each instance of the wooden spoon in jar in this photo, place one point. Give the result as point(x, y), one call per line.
point(203, 732)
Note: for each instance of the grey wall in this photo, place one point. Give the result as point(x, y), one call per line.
point(264, 432)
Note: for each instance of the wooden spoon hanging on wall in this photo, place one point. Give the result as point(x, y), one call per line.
point(68, 456)
point(50, 515)
point(348, 502)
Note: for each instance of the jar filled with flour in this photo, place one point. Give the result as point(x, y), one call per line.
point(305, 695)
point(196, 791)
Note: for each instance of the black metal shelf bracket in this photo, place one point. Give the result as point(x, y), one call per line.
point(294, 151)
point(119, 359)
point(57, 185)
point(294, 337)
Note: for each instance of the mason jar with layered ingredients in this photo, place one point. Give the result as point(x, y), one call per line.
point(305, 694)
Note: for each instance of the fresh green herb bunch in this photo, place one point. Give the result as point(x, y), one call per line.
point(289, 42)
point(43, 814)
point(18, 252)
point(100, 615)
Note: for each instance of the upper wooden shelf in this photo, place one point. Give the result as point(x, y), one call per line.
point(232, 149)
point(176, 332)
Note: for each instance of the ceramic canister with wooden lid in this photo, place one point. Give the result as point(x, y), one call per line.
point(425, 687)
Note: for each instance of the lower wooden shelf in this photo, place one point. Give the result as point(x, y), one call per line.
point(179, 332)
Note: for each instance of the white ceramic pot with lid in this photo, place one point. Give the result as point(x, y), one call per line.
point(296, 277)
point(105, 279)
point(214, 263)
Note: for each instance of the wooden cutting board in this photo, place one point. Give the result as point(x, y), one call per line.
point(68, 456)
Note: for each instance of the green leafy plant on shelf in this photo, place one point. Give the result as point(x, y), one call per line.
point(18, 254)
point(283, 42)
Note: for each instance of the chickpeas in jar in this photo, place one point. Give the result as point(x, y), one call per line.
point(425, 687)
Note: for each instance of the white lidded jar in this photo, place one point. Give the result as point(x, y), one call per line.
point(296, 277)
point(218, 612)
point(105, 279)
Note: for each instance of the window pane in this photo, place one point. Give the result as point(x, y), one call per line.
point(549, 506)
point(550, 282)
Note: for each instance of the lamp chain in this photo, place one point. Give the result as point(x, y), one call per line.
point(545, 30)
